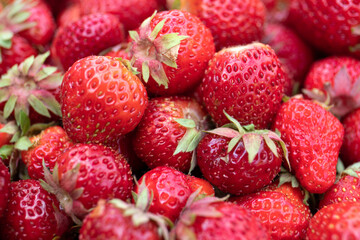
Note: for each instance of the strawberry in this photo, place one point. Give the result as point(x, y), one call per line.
point(172, 49)
point(130, 13)
point(277, 10)
point(100, 93)
point(319, 23)
point(232, 22)
point(4, 187)
point(46, 146)
point(245, 81)
point(280, 209)
point(350, 149)
point(32, 213)
point(120, 51)
point(69, 15)
point(4, 136)
point(313, 137)
point(238, 159)
point(337, 78)
point(212, 218)
point(198, 183)
point(336, 221)
point(169, 190)
point(164, 127)
point(87, 36)
point(87, 173)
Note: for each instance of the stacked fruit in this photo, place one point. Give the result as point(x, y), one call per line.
point(179, 119)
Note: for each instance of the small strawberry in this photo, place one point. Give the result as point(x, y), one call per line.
point(350, 149)
point(198, 183)
point(4, 187)
point(87, 36)
point(101, 100)
point(245, 81)
point(167, 123)
point(335, 221)
point(32, 213)
point(172, 50)
point(313, 137)
point(47, 147)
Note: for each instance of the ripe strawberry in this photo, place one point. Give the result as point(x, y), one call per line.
point(87, 36)
point(160, 131)
point(232, 22)
point(197, 183)
point(336, 221)
point(172, 49)
point(313, 137)
point(242, 160)
point(4, 137)
point(87, 173)
point(338, 77)
point(277, 10)
point(350, 149)
point(319, 23)
point(120, 51)
point(32, 213)
point(169, 189)
point(47, 147)
point(69, 15)
point(211, 218)
point(245, 81)
point(280, 209)
point(4, 187)
point(130, 13)
point(101, 100)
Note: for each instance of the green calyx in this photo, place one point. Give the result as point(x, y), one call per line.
point(353, 170)
point(15, 15)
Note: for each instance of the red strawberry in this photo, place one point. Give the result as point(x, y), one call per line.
point(4, 187)
point(336, 221)
point(211, 218)
point(130, 13)
point(101, 100)
point(87, 173)
point(169, 189)
point(197, 183)
point(172, 49)
point(4, 137)
point(161, 130)
point(87, 36)
point(240, 161)
point(350, 149)
point(245, 81)
point(313, 137)
point(338, 77)
point(32, 213)
point(47, 147)
point(281, 210)
point(319, 22)
point(69, 15)
point(120, 51)
point(232, 22)
point(277, 10)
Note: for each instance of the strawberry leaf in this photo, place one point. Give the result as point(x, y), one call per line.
point(9, 106)
point(252, 144)
point(270, 143)
point(234, 121)
point(145, 71)
point(186, 140)
point(233, 142)
point(157, 29)
point(10, 128)
point(38, 106)
point(134, 35)
point(5, 151)
point(23, 144)
point(225, 132)
point(24, 122)
point(188, 123)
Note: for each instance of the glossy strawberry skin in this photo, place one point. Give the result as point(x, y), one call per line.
point(4, 187)
point(350, 150)
point(247, 82)
point(32, 213)
point(313, 150)
point(158, 134)
point(87, 36)
point(4, 137)
point(103, 173)
point(170, 190)
point(47, 146)
point(199, 183)
point(99, 93)
point(335, 221)
point(236, 176)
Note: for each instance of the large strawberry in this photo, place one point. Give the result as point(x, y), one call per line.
point(87, 36)
point(167, 123)
point(313, 137)
point(32, 213)
point(332, 26)
point(101, 100)
point(350, 149)
point(245, 81)
point(172, 50)
point(4, 187)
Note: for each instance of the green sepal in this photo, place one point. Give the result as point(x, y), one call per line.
point(5, 39)
point(340, 166)
point(5, 151)
point(185, 122)
point(252, 143)
point(44, 73)
point(169, 45)
point(272, 146)
point(20, 17)
point(235, 122)
point(4, 95)
point(38, 106)
point(157, 29)
point(9, 106)
point(50, 103)
point(159, 75)
point(15, 137)
point(185, 141)
point(225, 132)
point(5, 80)
point(26, 64)
point(10, 128)
point(134, 35)
point(23, 143)
point(24, 122)
point(352, 170)
point(145, 71)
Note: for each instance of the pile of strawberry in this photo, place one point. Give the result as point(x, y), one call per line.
point(179, 119)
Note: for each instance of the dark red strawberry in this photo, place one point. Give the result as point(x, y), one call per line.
point(350, 149)
point(172, 50)
point(169, 189)
point(101, 100)
point(198, 183)
point(167, 123)
point(32, 213)
point(336, 221)
point(47, 147)
point(331, 26)
point(277, 10)
point(4, 187)
point(232, 22)
point(313, 137)
point(245, 81)
point(87, 36)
